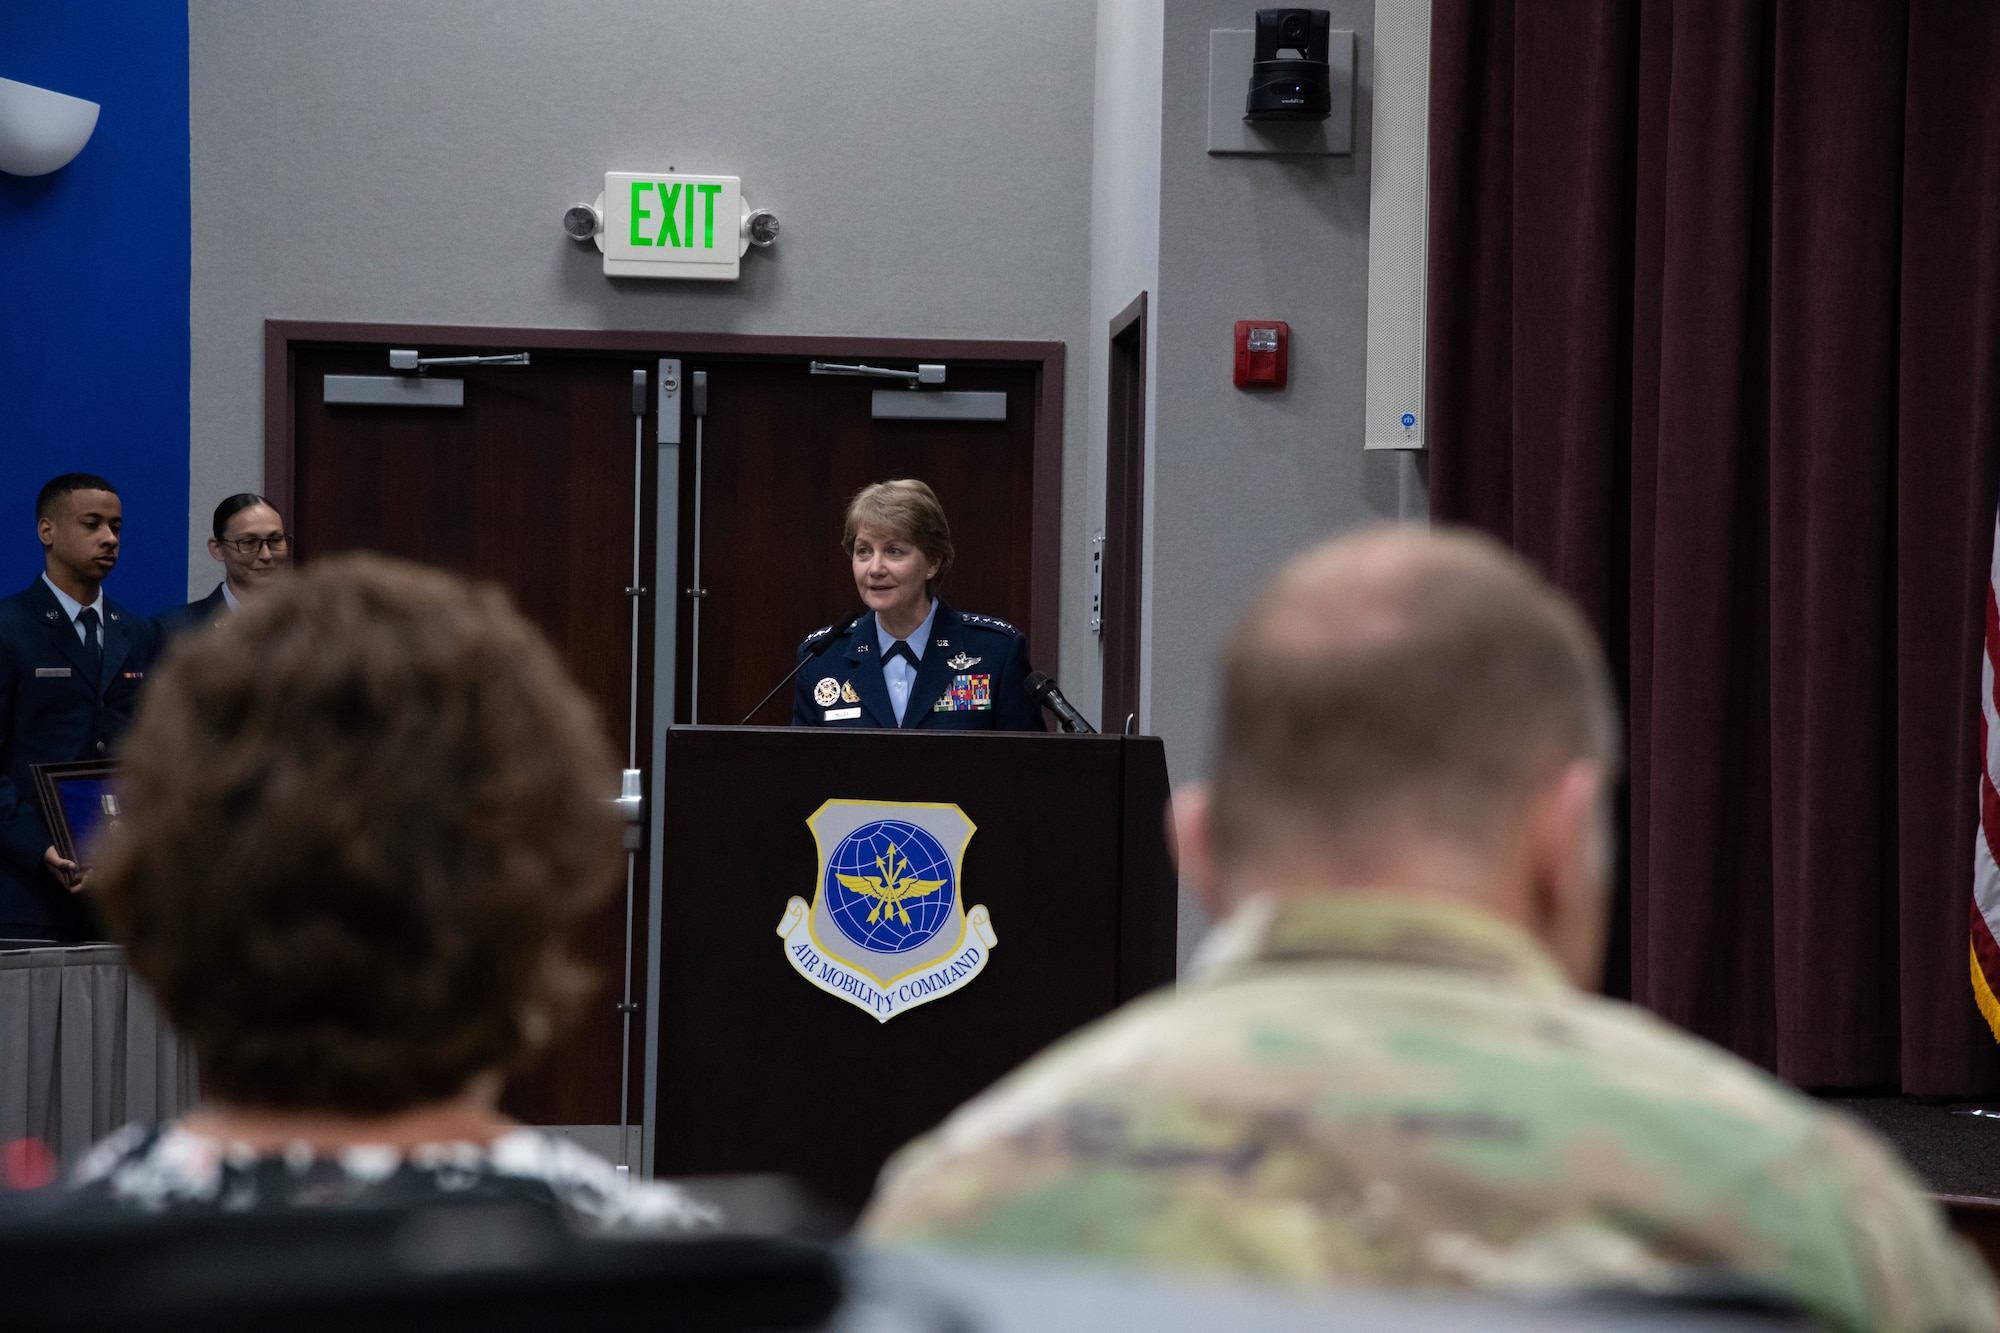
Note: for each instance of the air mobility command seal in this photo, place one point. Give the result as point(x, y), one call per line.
point(887, 930)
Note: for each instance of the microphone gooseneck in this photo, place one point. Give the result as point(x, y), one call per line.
point(825, 641)
point(1044, 692)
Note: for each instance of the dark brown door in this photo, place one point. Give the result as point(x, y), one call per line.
point(1124, 514)
point(529, 485)
point(782, 453)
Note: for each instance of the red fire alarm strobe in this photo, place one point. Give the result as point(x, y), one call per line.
point(1261, 353)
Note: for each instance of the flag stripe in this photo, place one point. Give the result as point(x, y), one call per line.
point(1992, 622)
point(1984, 947)
point(1989, 687)
point(1992, 626)
point(1989, 716)
point(1989, 829)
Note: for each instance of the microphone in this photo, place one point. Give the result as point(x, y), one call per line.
point(825, 641)
point(1044, 692)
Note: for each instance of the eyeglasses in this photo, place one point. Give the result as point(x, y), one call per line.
point(248, 545)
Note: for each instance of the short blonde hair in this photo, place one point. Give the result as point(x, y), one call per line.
point(904, 508)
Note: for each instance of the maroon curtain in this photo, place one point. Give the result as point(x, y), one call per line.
point(1715, 340)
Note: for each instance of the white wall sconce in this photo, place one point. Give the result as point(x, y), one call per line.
point(40, 130)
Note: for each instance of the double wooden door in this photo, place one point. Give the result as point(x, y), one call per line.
point(530, 484)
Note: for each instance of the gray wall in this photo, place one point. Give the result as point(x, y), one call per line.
point(1244, 479)
point(368, 160)
point(1124, 243)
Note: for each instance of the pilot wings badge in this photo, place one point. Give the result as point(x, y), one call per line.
point(886, 930)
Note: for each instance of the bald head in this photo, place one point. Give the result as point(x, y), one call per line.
point(1400, 688)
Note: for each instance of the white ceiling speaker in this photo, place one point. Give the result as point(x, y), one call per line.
point(40, 131)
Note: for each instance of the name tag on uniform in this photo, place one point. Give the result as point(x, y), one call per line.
point(48, 673)
point(967, 694)
point(841, 714)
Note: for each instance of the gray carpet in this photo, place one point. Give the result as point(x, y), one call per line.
point(1952, 1152)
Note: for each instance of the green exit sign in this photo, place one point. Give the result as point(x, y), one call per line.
point(662, 225)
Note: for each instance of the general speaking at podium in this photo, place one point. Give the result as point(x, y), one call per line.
point(910, 660)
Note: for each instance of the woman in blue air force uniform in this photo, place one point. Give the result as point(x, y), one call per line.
point(911, 660)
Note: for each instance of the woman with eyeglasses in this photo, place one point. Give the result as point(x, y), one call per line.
point(251, 545)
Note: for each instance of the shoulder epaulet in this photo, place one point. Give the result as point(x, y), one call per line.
point(987, 622)
point(816, 635)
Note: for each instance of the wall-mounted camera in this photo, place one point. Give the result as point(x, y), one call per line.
point(1298, 86)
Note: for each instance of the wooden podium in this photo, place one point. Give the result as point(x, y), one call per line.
point(759, 1070)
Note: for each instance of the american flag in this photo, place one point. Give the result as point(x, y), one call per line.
point(1985, 866)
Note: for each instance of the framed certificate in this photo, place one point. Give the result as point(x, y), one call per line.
point(78, 802)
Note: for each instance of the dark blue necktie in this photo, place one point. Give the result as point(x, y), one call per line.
point(93, 644)
point(900, 648)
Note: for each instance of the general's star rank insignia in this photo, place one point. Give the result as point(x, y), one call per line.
point(826, 692)
point(847, 694)
point(961, 662)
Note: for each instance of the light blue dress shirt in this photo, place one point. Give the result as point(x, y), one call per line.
point(73, 608)
point(899, 673)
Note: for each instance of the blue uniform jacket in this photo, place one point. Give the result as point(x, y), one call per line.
point(51, 712)
point(972, 678)
point(195, 614)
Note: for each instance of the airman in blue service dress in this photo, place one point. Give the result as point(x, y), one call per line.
point(971, 675)
point(60, 702)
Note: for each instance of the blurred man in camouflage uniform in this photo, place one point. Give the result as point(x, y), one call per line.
point(1383, 1070)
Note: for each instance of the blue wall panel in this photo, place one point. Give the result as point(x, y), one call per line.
point(94, 288)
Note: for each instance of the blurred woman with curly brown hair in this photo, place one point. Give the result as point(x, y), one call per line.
point(363, 817)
